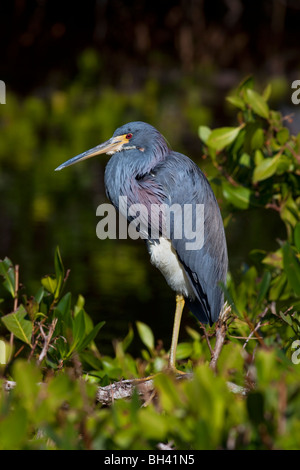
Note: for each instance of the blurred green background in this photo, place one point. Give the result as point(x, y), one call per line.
point(76, 71)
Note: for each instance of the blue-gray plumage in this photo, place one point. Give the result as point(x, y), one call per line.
point(146, 171)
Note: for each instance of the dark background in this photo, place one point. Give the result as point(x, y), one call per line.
point(75, 71)
point(42, 40)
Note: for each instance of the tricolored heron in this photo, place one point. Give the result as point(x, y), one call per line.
point(147, 172)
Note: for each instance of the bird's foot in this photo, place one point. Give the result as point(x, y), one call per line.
point(172, 370)
point(145, 379)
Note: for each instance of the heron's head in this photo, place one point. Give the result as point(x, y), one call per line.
point(132, 136)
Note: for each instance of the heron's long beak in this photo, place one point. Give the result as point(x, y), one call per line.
point(110, 146)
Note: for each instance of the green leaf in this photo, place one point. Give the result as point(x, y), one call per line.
point(274, 259)
point(79, 304)
point(229, 298)
point(286, 318)
point(128, 339)
point(59, 271)
point(223, 136)
point(283, 135)
point(78, 330)
point(64, 306)
point(32, 308)
point(245, 160)
point(289, 211)
point(257, 103)
point(3, 352)
point(266, 367)
point(257, 139)
point(264, 285)
point(246, 83)
point(266, 168)
point(39, 295)
point(27, 376)
point(277, 287)
point(204, 132)
point(267, 92)
point(255, 407)
point(14, 429)
point(236, 101)
point(239, 196)
point(284, 165)
point(292, 268)
point(50, 284)
point(154, 425)
point(146, 335)
point(59, 267)
point(297, 236)
point(64, 313)
point(7, 271)
point(258, 157)
point(195, 335)
point(90, 337)
point(184, 350)
point(15, 322)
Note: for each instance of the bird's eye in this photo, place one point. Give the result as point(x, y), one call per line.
point(128, 136)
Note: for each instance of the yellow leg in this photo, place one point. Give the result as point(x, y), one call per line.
point(177, 319)
point(176, 326)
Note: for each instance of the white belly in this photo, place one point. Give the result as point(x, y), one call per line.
point(164, 257)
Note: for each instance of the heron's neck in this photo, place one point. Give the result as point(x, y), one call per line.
point(126, 175)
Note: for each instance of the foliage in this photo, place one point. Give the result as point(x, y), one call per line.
point(259, 167)
point(48, 341)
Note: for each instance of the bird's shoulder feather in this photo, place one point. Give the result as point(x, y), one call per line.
point(184, 183)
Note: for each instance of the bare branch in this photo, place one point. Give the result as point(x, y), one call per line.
point(47, 339)
point(11, 340)
point(221, 331)
point(124, 389)
point(168, 446)
point(255, 328)
point(16, 287)
point(145, 387)
point(9, 385)
point(207, 339)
